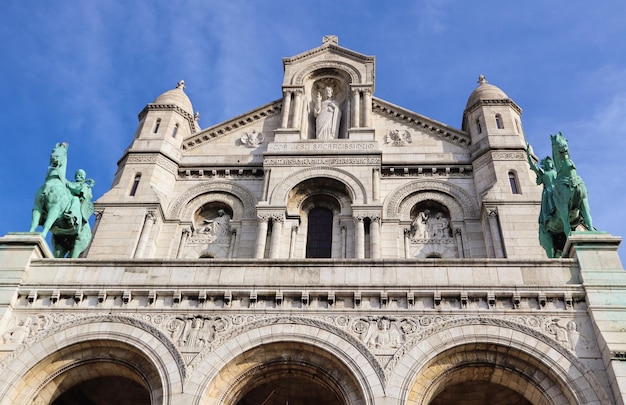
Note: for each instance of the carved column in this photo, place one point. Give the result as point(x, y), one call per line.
point(376, 184)
point(492, 217)
point(344, 242)
point(367, 110)
point(356, 108)
point(261, 237)
point(233, 241)
point(277, 231)
point(297, 114)
point(407, 243)
point(183, 241)
point(292, 242)
point(266, 183)
point(375, 237)
point(359, 243)
point(459, 242)
point(284, 123)
point(148, 222)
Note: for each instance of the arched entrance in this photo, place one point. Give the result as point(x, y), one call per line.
point(479, 373)
point(285, 372)
point(290, 383)
point(97, 372)
point(105, 385)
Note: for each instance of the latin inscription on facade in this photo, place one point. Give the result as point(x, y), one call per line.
point(333, 161)
point(347, 146)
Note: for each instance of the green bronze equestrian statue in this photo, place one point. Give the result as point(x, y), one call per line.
point(564, 204)
point(64, 207)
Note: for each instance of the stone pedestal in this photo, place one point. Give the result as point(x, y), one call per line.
point(16, 252)
point(604, 280)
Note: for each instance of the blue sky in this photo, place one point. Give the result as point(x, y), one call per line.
point(80, 71)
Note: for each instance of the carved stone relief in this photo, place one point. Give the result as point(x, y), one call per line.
point(395, 137)
point(382, 336)
point(212, 234)
point(252, 139)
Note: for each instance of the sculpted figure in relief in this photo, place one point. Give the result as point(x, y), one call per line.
point(420, 225)
point(384, 336)
point(219, 227)
point(17, 334)
point(430, 225)
point(327, 116)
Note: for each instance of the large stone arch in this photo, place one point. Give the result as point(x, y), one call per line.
point(124, 345)
point(212, 374)
point(552, 374)
point(458, 201)
point(280, 193)
point(244, 202)
point(349, 69)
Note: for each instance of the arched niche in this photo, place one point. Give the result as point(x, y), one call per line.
point(355, 190)
point(307, 190)
point(317, 83)
point(430, 235)
point(401, 201)
point(241, 200)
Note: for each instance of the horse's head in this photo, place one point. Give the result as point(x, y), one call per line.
point(559, 143)
point(58, 156)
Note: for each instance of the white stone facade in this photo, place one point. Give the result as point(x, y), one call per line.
point(386, 259)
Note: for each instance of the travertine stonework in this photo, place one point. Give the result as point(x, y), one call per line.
point(382, 258)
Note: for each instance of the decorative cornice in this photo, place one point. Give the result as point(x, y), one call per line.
point(503, 102)
point(420, 122)
point(169, 107)
point(329, 47)
point(231, 125)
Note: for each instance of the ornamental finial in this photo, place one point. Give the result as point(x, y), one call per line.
point(332, 39)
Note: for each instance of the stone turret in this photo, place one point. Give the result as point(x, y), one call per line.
point(147, 173)
point(505, 186)
point(492, 119)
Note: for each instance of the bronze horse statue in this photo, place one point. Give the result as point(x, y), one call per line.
point(564, 203)
point(58, 210)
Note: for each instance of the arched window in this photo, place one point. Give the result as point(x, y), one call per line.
point(174, 131)
point(319, 233)
point(157, 125)
point(514, 184)
point(133, 189)
point(479, 128)
point(499, 122)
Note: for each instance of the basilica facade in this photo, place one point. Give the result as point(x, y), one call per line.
point(328, 247)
